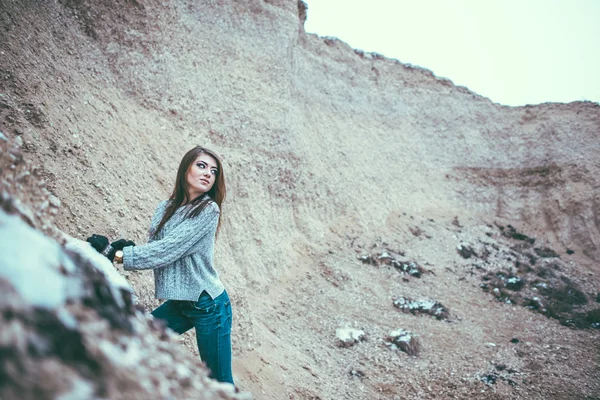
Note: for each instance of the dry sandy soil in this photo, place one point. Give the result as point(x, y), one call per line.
point(331, 155)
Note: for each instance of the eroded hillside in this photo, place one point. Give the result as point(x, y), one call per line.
point(328, 152)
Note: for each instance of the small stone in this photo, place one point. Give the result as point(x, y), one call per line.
point(349, 337)
point(16, 153)
point(489, 379)
point(22, 176)
point(3, 138)
point(357, 373)
point(514, 283)
point(54, 201)
point(182, 371)
point(514, 340)
point(465, 251)
point(415, 307)
point(405, 341)
point(44, 205)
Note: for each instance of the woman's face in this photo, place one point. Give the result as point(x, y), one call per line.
point(201, 175)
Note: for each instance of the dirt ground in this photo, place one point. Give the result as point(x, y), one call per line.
point(333, 157)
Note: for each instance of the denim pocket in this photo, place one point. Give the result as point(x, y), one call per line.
point(205, 305)
point(202, 309)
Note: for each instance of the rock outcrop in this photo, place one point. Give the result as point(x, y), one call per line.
point(70, 329)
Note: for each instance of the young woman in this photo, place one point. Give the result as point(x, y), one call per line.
point(180, 251)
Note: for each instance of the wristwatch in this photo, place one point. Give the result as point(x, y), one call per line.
point(119, 256)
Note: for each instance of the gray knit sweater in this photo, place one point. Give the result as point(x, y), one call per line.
point(181, 255)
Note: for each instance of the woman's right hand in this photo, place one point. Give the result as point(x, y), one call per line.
point(98, 242)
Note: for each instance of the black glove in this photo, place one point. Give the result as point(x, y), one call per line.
point(100, 243)
point(121, 243)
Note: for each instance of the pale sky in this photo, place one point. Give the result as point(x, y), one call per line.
point(514, 52)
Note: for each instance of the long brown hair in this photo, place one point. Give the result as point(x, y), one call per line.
point(180, 193)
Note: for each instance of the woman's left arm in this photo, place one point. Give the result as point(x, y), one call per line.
point(173, 245)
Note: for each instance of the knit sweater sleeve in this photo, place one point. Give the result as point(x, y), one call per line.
point(174, 244)
point(158, 213)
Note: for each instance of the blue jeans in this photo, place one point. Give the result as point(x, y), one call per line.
point(212, 320)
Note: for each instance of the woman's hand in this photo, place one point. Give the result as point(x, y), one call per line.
point(121, 243)
point(100, 243)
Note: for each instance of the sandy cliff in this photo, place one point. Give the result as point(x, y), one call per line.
point(330, 152)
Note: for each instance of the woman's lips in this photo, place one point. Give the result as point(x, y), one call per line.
point(204, 181)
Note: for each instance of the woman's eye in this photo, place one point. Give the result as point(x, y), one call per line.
point(214, 172)
point(201, 165)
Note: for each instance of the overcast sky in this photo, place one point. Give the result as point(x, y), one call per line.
point(515, 52)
